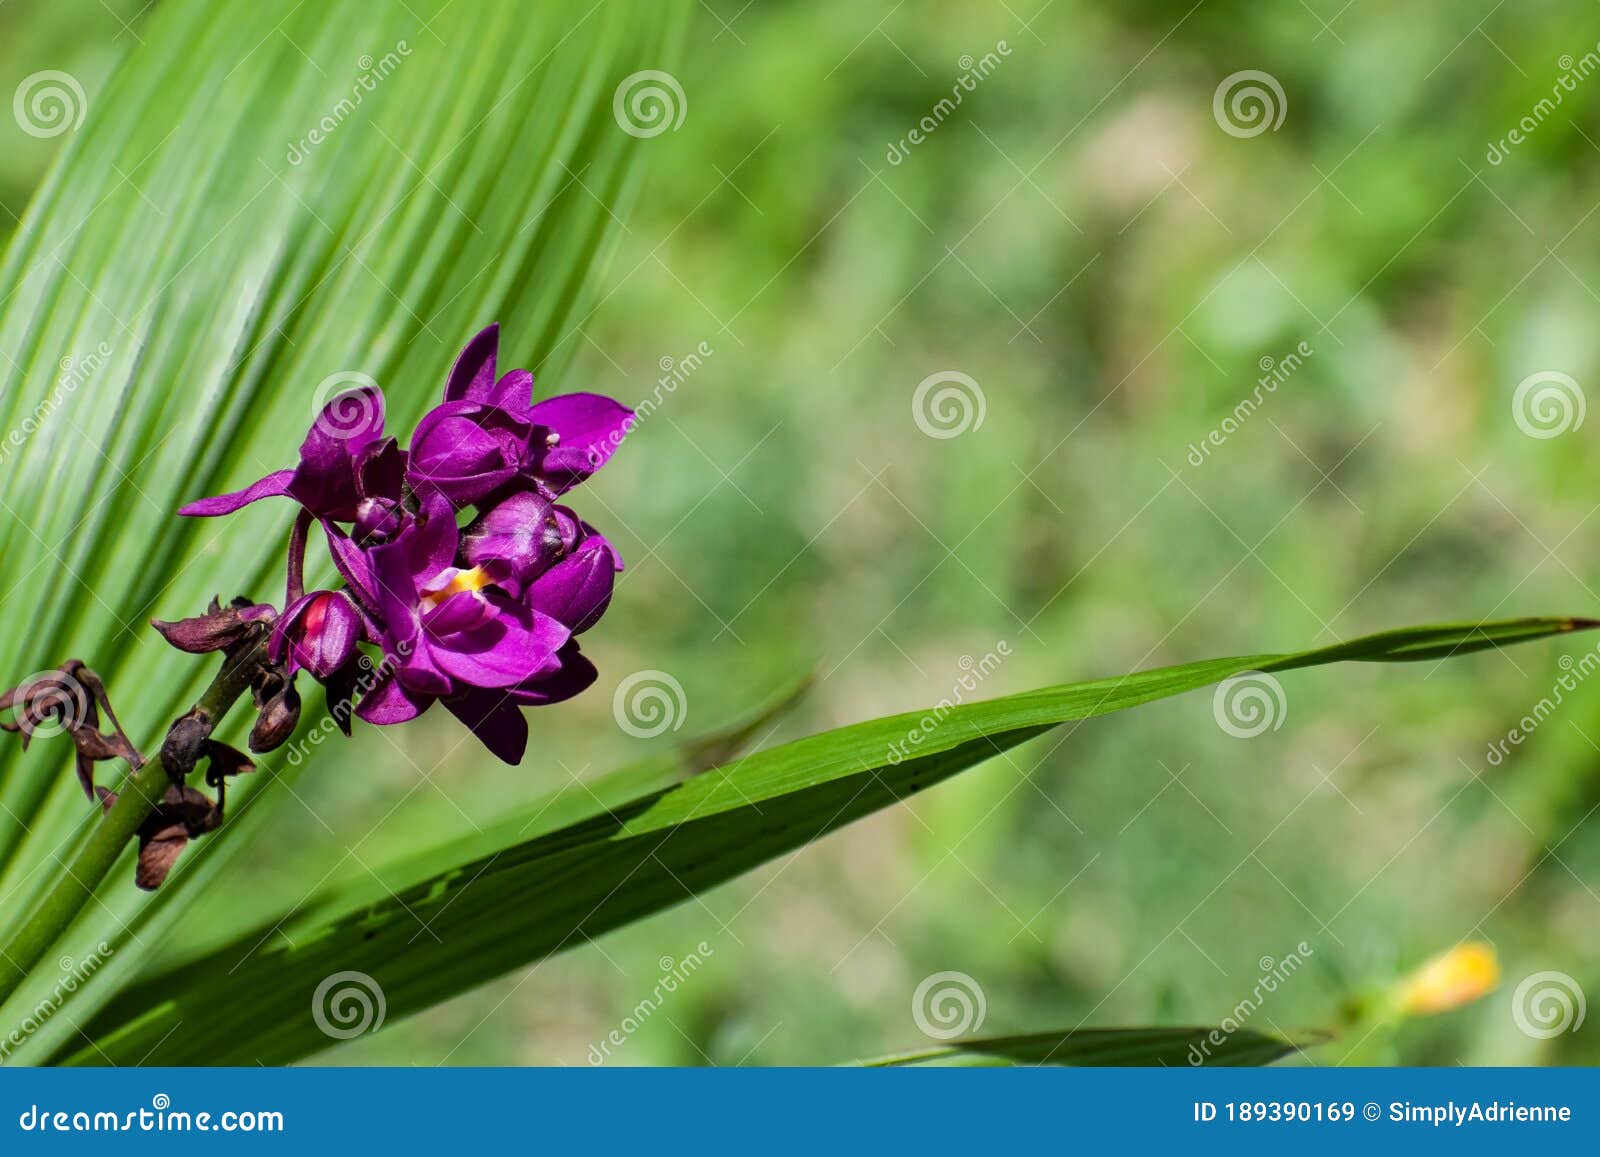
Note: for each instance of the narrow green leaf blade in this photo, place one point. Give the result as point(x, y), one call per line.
point(1111, 1047)
point(458, 929)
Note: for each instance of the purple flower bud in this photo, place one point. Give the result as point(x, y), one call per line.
point(514, 540)
point(218, 629)
point(318, 632)
point(577, 590)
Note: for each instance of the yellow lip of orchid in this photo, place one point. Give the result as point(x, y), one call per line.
point(473, 580)
point(1450, 980)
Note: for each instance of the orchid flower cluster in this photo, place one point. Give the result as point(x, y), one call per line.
point(462, 569)
point(461, 564)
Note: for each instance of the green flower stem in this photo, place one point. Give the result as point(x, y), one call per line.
point(96, 858)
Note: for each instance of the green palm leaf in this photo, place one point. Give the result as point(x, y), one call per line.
point(208, 266)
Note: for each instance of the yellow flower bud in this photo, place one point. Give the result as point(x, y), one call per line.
point(1451, 979)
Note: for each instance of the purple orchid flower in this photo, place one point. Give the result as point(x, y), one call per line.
point(345, 443)
point(483, 619)
point(489, 432)
point(447, 631)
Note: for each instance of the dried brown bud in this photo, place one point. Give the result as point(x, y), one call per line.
point(182, 814)
point(69, 700)
point(223, 761)
point(185, 742)
point(280, 715)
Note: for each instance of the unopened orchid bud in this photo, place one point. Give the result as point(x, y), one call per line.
point(318, 632)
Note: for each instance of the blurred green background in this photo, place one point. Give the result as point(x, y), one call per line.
point(1085, 241)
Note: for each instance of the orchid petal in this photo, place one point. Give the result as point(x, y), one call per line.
point(494, 718)
point(274, 485)
point(472, 377)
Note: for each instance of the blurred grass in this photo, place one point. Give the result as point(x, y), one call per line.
point(1083, 240)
